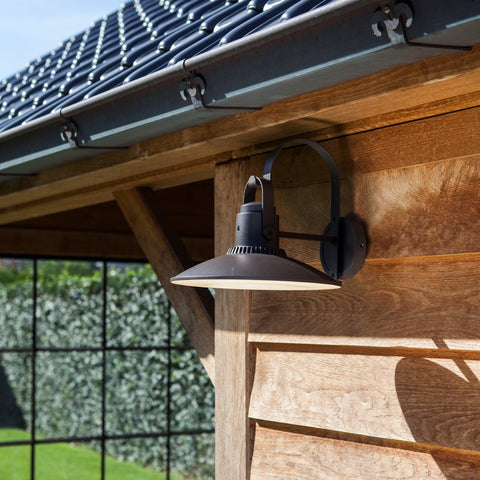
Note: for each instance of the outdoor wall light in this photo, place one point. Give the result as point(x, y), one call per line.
point(256, 262)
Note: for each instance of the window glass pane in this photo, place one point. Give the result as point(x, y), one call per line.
point(68, 394)
point(136, 392)
point(15, 393)
point(61, 461)
point(16, 283)
point(193, 456)
point(69, 304)
point(136, 459)
point(192, 393)
point(15, 463)
point(69, 384)
point(137, 307)
point(179, 337)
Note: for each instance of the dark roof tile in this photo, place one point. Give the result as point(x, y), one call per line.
point(142, 37)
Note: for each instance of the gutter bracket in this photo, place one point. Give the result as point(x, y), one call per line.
point(193, 88)
point(395, 19)
point(69, 134)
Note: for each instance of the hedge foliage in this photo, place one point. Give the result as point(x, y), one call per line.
point(69, 385)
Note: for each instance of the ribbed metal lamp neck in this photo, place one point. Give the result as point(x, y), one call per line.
point(245, 250)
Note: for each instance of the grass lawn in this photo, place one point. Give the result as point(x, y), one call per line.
point(64, 462)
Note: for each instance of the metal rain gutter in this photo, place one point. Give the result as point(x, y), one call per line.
point(327, 46)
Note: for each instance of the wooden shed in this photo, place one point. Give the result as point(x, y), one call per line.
point(377, 380)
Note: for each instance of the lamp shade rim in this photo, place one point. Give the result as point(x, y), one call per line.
point(255, 271)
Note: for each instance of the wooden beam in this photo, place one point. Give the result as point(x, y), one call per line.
point(66, 187)
point(168, 257)
point(87, 244)
point(69, 243)
point(232, 390)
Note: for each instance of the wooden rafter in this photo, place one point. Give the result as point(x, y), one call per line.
point(167, 255)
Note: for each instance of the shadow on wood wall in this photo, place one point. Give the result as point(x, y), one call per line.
point(441, 407)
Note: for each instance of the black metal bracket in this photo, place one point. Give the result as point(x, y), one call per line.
point(310, 237)
point(343, 245)
point(193, 88)
point(395, 19)
point(69, 134)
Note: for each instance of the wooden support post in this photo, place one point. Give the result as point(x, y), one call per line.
point(168, 257)
point(232, 309)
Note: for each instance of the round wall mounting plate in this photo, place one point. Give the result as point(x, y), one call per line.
point(348, 255)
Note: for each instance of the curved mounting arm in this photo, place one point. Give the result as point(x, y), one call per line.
point(268, 209)
point(326, 157)
point(343, 243)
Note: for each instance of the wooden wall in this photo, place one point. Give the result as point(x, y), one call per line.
point(99, 231)
point(380, 379)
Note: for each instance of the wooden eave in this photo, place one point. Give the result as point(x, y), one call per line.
point(424, 89)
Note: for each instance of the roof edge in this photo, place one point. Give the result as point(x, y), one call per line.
point(320, 48)
point(220, 54)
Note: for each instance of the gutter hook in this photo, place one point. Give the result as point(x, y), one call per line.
point(395, 19)
point(69, 134)
point(193, 88)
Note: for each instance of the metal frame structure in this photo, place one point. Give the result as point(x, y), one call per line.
point(104, 436)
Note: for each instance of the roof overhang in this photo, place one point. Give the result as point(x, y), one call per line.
point(325, 47)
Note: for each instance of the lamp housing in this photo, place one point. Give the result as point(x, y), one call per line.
point(256, 261)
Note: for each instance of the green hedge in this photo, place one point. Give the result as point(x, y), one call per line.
point(69, 314)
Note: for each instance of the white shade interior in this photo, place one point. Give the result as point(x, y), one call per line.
point(255, 272)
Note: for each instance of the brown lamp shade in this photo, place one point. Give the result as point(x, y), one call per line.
point(255, 271)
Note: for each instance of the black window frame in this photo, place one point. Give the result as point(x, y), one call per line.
point(34, 350)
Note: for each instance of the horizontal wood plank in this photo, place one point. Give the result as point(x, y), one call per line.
point(26, 241)
point(102, 231)
point(417, 302)
point(425, 209)
point(68, 243)
point(430, 401)
point(73, 193)
point(284, 455)
point(423, 140)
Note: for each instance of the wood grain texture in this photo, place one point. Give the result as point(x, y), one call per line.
point(81, 184)
point(189, 208)
point(168, 257)
point(284, 455)
point(430, 401)
point(31, 241)
point(232, 381)
point(102, 231)
point(421, 140)
point(409, 302)
point(77, 243)
point(423, 209)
